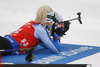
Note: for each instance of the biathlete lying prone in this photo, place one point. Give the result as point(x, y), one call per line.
point(37, 32)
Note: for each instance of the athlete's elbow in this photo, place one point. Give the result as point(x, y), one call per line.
point(56, 52)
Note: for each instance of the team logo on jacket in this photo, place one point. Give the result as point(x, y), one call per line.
point(20, 44)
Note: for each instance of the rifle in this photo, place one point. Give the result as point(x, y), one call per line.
point(57, 23)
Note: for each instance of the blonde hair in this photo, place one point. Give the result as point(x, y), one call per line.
point(42, 14)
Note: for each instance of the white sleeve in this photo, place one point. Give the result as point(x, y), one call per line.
point(41, 44)
point(43, 35)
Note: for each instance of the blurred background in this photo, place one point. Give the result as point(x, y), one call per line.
point(14, 13)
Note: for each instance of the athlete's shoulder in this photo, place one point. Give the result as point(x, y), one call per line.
point(39, 27)
point(39, 30)
point(34, 22)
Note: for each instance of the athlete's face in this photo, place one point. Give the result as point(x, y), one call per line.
point(49, 24)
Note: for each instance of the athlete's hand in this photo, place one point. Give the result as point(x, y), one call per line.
point(66, 25)
point(61, 31)
point(29, 57)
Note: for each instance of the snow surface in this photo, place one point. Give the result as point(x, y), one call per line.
point(14, 13)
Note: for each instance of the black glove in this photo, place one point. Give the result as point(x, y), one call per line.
point(30, 56)
point(66, 26)
point(61, 32)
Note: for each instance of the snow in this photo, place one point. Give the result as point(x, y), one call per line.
point(14, 13)
point(93, 60)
